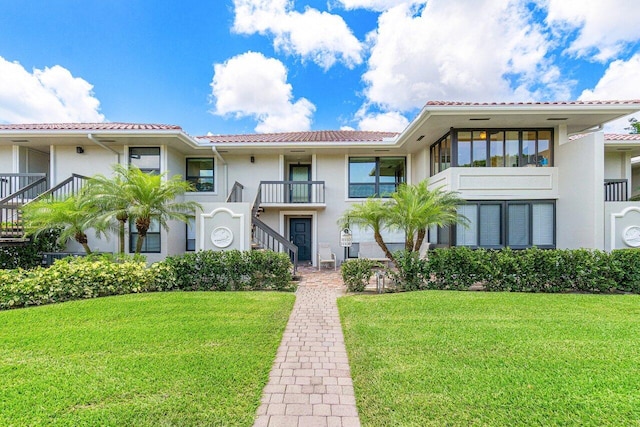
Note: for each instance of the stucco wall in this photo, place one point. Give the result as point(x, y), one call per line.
point(6, 159)
point(95, 160)
point(580, 207)
point(614, 165)
point(621, 224)
point(499, 183)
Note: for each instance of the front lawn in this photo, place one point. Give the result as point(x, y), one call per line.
point(494, 359)
point(196, 358)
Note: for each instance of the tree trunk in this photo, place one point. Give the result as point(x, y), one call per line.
point(421, 235)
point(122, 220)
point(408, 244)
point(142, 225)
point(81, 238)
point(383, 246)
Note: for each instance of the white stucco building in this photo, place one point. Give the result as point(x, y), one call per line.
point(533, 174)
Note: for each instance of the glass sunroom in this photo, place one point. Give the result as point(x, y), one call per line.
point(507, 203)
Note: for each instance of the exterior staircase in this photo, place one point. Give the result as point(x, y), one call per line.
point(263, 236)
point(20, 189)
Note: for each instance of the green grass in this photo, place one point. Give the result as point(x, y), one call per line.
point(445, 358)
point(158, 359)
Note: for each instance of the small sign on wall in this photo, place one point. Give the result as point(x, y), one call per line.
point(346, 238)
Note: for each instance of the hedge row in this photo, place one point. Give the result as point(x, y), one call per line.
point(229, 271)
point(101, 275)
point(530, 270)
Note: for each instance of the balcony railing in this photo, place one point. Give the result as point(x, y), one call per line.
point(292, 192)
point(615, 190)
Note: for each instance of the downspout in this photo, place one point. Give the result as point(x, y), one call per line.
point(587, 131)
point(95, 141)
point(225, 169)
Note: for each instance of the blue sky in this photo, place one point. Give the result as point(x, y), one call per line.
point(244, 66)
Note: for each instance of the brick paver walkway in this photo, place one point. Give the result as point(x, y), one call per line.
point(310, 383)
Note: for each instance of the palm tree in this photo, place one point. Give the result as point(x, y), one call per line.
point(411, 209)
point(414, 208)
point(73, 216)
point(369, 214)
point(153, 197)
point(112, 201)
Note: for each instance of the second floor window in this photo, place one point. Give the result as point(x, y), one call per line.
point(492, 148)
point(200, 174)
point(145, 158)
point(375, 176)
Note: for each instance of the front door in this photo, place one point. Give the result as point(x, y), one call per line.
point(299, 193)
point(300, 235)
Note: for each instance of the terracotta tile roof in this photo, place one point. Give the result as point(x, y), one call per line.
point(86, 126)
point(310, 136)
point(621, 137)
point(511, 104)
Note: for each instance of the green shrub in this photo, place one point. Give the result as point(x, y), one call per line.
point(356, 273)
point(535, 270)
point(409, 274)
point(73, 278)
point(590, 271)
point(29, 255)
point(225, 271)
point(457, 268)
point(626, 269)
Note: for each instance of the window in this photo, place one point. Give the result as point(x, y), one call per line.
point(191, 234)
point(200, 174)
point(393, 239)
point(151, 243)
point(522, 224)
point(492, 148)
point(145, 158)
point(375, 176)
point(441, 155)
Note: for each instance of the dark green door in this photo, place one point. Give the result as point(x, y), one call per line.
point(300, 193)
point(300, 235)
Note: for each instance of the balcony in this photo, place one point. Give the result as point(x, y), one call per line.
point(291, 194)
point(615, 190)
point(499, 182)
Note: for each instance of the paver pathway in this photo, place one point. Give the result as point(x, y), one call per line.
point(310, 382)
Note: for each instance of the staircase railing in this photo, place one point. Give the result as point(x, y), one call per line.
point(13, 182)
point(255, 210)
point(69, 187)
point(235, 195)
point(11, 227)
point(271, 239)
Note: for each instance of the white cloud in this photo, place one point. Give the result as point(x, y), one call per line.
point(377, 5)
point(604, 28)
point(251, 85)
point(391, 121)
point(489, 52)
point(51, 95)
point(619, 82)
point(321, 37)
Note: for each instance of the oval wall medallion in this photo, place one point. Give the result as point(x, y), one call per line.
point(221, 237)
point(631, 236)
